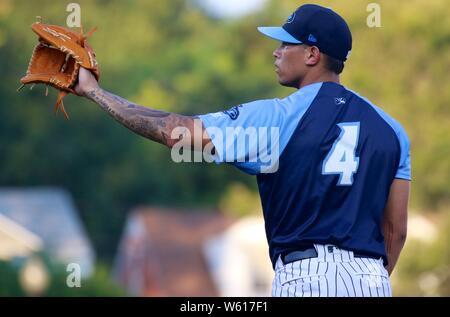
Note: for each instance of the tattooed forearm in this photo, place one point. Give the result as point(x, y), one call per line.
point(152, 124)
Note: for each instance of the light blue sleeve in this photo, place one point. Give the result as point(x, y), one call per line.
point(404, 167)
point(253, 135)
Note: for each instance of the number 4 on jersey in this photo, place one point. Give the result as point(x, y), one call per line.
point(341, 158)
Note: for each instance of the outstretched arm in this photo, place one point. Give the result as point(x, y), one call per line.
point(153, 124)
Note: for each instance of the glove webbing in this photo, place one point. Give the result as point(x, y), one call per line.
point(59, 102)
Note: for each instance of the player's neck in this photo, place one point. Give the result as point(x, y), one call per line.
point(319, 77)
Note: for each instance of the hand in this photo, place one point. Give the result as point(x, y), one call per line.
point(86, 82)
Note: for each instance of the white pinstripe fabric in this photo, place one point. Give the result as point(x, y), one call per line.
point(335, 273)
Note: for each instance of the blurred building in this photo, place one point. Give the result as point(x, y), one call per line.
point(238, 259)
point(17, 241)
point(165, 252)
point(43, 219)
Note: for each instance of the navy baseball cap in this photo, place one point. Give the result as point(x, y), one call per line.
point(316, 26)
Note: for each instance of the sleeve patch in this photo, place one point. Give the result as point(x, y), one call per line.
point(233, 112)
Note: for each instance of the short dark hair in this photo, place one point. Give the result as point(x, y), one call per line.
point(333, 64)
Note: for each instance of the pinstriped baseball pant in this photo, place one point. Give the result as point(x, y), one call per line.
point(333, 273)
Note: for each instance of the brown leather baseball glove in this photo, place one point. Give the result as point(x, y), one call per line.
point(57, 58)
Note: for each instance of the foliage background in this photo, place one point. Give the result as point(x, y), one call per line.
point(170, 55)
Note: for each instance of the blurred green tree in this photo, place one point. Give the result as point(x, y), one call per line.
point(170, 55)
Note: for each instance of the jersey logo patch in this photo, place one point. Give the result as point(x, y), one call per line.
point(233, 113)
point(340, 101)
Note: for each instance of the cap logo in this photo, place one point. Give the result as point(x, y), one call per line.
point(312, 38)
point(291, 18)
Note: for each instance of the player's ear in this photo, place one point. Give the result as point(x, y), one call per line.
point(312, 55)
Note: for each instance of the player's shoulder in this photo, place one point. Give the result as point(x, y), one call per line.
point(381, 113)
point(391, 122)
point(296, 100)
point(300, 99)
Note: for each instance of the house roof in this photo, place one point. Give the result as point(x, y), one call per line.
point(50, 214)
point(16, 240)
point(161, 252)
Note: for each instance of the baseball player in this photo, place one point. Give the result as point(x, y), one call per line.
point(333, 169)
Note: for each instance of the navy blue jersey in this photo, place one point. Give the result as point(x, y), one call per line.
point(324, 158)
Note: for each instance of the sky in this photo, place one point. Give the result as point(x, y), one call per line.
point(231, 9)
